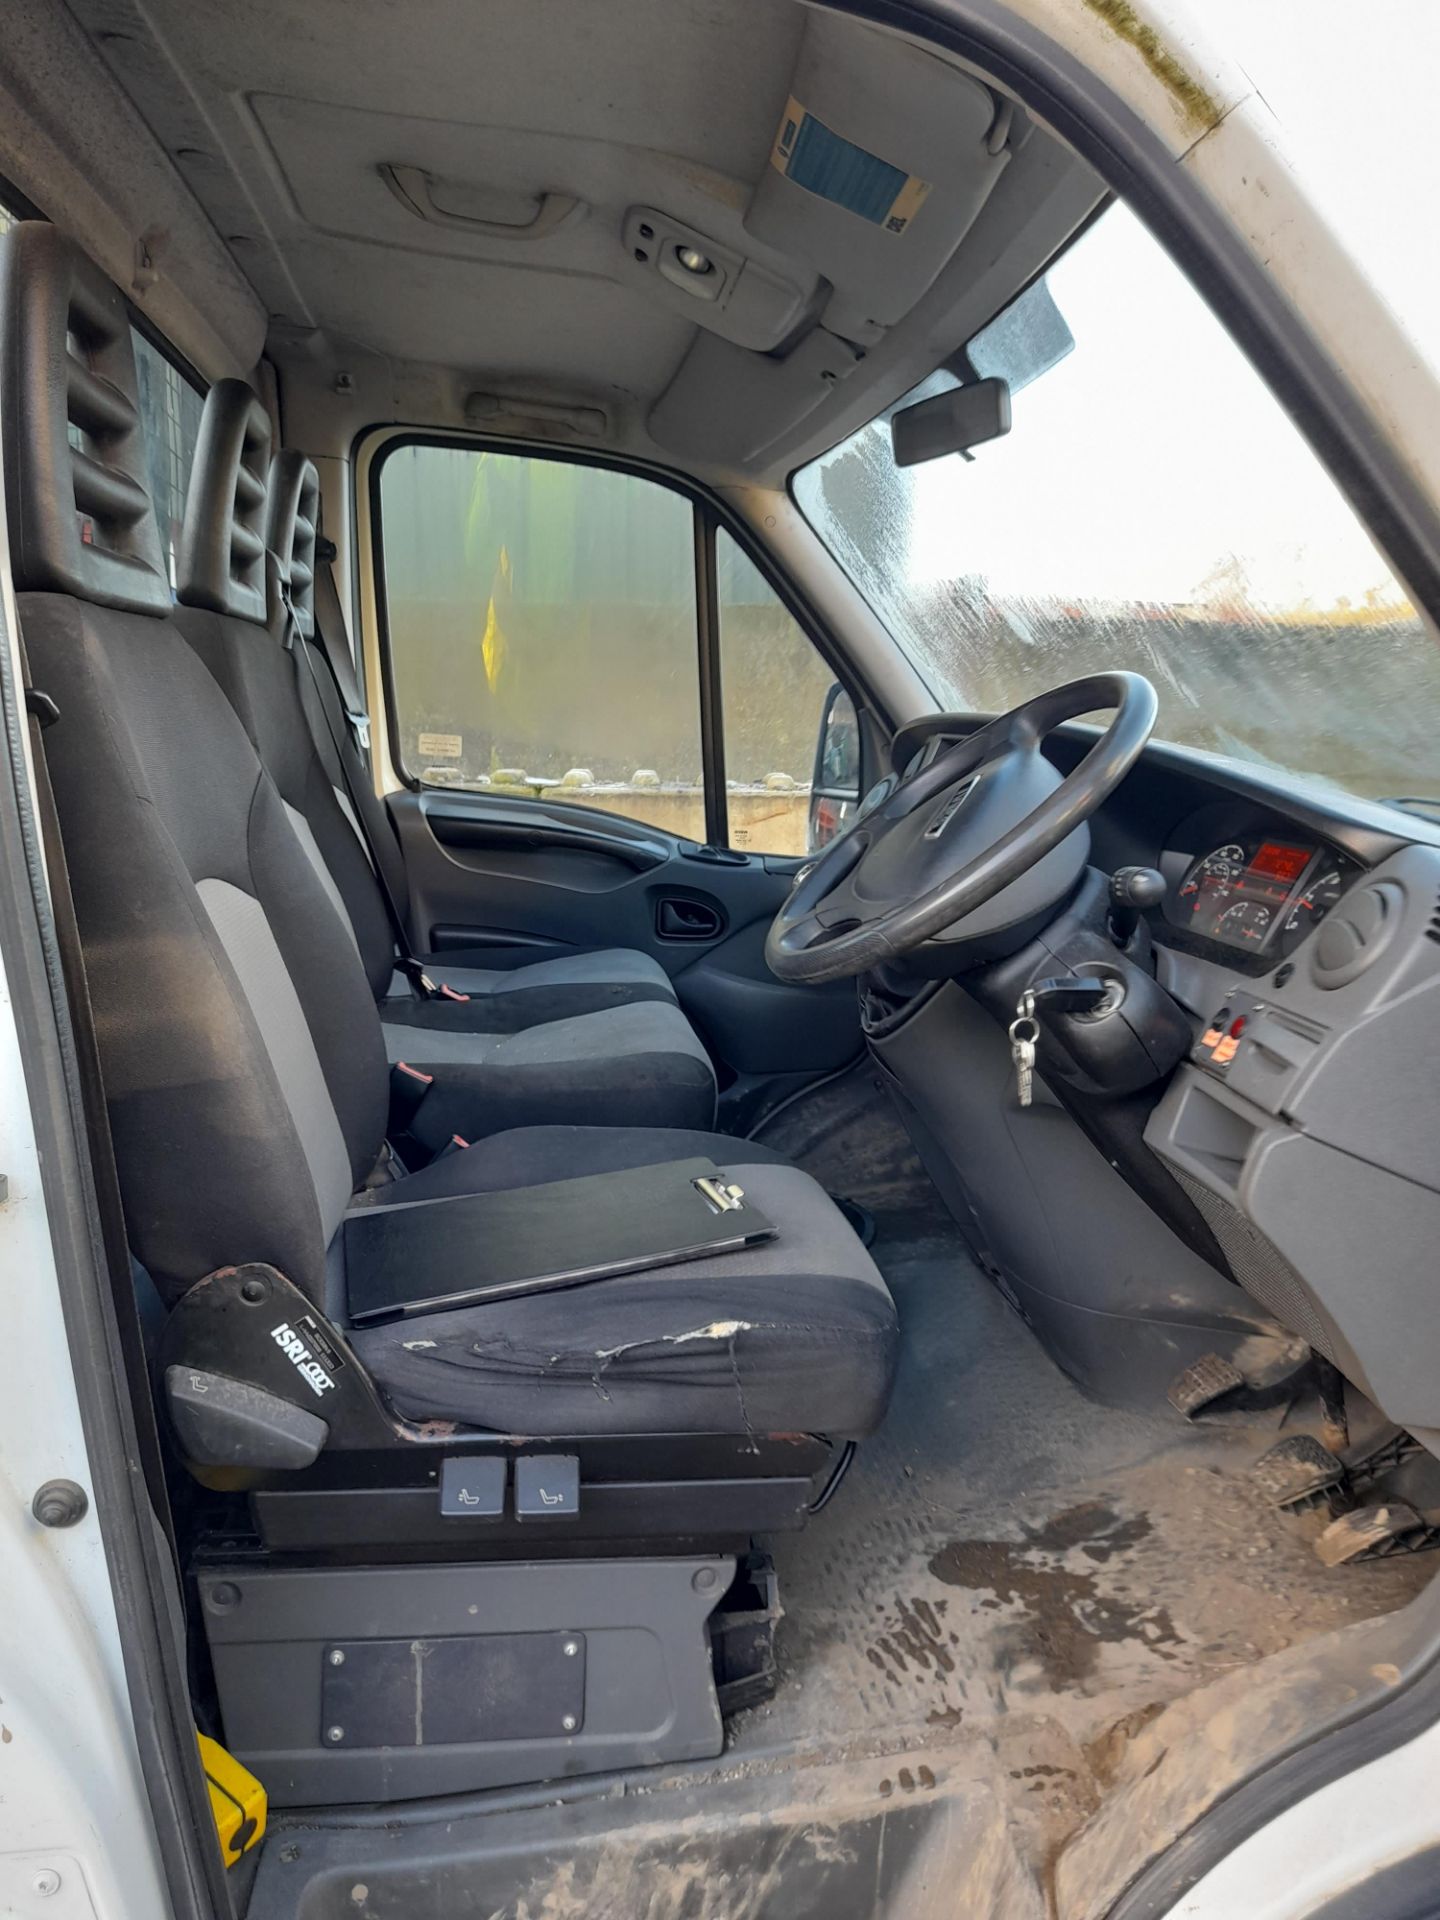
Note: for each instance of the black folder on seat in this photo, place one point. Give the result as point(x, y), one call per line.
point(423, 1256)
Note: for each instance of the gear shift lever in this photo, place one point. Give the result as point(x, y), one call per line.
point(1132, 890)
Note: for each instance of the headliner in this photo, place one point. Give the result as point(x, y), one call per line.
point(279, 119)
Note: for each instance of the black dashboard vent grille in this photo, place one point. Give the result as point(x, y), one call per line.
point(1432, 930)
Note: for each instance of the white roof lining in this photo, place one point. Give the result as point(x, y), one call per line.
point(460, 321)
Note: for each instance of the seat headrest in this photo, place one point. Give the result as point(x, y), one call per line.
point(221, 559)
point(291, 527)
point(80, 513)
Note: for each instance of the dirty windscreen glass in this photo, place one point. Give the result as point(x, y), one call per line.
point(1153, 508)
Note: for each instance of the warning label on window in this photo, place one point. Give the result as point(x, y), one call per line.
point(440, 746)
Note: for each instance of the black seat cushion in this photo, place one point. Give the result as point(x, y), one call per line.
point(509, 1000)
point(796, 1335)
point(640, 1065)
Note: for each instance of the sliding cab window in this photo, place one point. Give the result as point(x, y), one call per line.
point(541, 618)
point(170, 409)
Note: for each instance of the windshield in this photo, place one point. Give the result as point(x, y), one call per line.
point(1152, 508)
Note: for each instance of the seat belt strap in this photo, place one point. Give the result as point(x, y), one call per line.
point(334, 637)
point(295, 642)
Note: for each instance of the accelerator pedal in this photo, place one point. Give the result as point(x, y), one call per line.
point(1297, 1472)
point(1375, 1533)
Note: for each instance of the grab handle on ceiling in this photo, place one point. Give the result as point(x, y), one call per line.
point(414, 188)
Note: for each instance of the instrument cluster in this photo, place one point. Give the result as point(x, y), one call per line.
point(1259, 894)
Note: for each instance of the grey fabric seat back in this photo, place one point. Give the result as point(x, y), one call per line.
point(240, 1045)
point(234, 627)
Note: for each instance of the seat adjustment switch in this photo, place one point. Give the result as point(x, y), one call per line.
point(547, 1486)
point(473, 1488)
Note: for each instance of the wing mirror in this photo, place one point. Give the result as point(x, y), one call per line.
point(835, 782)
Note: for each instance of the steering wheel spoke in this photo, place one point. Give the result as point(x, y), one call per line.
point(818, 927)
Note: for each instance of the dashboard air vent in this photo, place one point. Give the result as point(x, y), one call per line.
point(1355, 935)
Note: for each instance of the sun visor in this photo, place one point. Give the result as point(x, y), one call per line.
point(875, 185)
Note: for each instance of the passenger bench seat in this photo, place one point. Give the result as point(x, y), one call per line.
point(571, 1040)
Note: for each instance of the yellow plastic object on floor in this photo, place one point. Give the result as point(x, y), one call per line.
point(237, 1800)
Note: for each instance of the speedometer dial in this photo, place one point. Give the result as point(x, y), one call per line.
point(1208, 884)
point(1311, 907)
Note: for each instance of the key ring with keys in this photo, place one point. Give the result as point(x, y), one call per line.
point(1024, 1031)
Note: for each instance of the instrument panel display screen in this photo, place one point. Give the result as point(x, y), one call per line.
point(1258, 895)
point(1272, 861)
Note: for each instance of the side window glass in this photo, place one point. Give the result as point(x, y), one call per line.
point(541, 620)
point(170, 410)
point(777, 706)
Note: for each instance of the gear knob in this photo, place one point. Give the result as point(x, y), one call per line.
point(1132, 890)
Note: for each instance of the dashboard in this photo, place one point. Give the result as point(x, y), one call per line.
point(1298, 936)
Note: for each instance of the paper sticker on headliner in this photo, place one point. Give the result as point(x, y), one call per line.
point(824, 163)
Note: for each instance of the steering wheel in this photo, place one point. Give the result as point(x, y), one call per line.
point(987, 814)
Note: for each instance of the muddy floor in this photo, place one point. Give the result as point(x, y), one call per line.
point(1011, 1584)
point(1013, 1565)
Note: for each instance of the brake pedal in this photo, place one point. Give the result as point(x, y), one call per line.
point(1297, 1472)
point(1375, 1533)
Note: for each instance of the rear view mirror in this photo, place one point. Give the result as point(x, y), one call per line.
point(951, 422)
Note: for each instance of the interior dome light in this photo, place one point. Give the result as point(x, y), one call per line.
point(693, 261)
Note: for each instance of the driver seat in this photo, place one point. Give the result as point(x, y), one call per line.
point(244, 1066)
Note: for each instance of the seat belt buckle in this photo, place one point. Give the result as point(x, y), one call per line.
point(451, 993)
point(360, 727)
point(453, 1145)
point(408, 1088)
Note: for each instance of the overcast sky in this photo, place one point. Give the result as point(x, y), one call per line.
point(1354, 89)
